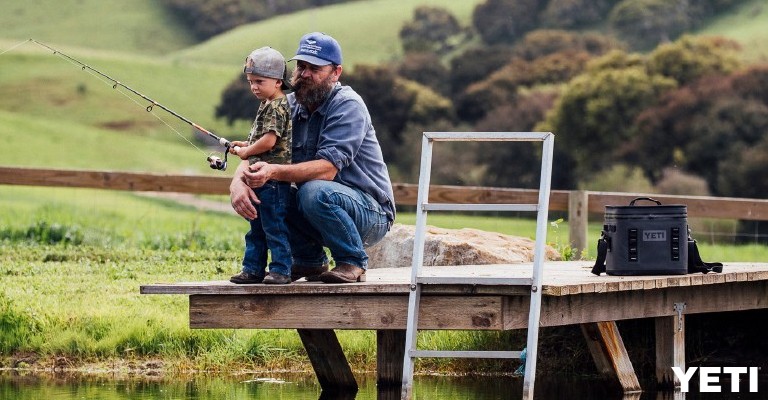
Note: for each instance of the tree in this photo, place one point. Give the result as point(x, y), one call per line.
point(389, 107)
point(689, 58)
point(475, 64)
point(433, 29)
point(594, 116)
point(543, 42)
point(570, 14)
point(237, 102)
point(646, 23)
point(211, 17)
point(501, 87)
point(426, 69)
point(705, 127)
point(395, 103)
point(515, 165)
point(506, 21)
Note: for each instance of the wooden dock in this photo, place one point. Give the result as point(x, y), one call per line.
point(571, 295)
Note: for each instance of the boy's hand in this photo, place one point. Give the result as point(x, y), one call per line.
point(237, 148)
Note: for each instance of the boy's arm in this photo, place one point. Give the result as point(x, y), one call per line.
point(265, 143)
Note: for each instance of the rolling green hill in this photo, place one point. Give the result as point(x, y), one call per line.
point(367, 30)
point(138, 26)
point(53, 111)
point(747, 24)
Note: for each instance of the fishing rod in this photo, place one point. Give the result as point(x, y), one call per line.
point(214, 161)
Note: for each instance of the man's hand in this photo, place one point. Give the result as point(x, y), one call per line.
point(258, 174)
point(242, 196)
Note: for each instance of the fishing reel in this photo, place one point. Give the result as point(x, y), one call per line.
point(216, 162)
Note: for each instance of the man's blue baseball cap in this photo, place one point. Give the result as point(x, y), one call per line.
point(317, 48)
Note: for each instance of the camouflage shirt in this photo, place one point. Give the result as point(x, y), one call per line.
point(273, 115)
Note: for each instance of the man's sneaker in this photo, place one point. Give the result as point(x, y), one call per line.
point(273, 278)
point(312, 274)
point(344, 273)
point(246, 277)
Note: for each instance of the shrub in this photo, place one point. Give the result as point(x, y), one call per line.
point(504, 21)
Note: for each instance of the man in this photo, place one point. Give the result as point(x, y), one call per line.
point(344, 198)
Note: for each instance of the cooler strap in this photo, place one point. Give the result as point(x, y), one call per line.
point(695, 263)
point(602, 253)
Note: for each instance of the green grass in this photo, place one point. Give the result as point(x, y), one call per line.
point(73, 119)
point(747, 24)
point(138, 26)
point(72, 261)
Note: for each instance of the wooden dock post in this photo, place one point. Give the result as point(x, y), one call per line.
point(670, 347)
point(578, 220)
point(610, 355)
point(328, 360)
point(390, 350)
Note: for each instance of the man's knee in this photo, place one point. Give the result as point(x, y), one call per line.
point(311, 194)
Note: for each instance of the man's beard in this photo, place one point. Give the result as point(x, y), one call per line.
point(309, 94)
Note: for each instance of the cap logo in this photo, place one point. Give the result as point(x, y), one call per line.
point(311, 41)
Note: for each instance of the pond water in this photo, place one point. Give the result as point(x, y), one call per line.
point(15, 386)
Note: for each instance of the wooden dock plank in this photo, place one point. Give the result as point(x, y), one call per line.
point(561, 278)
point(343, 312)
point(572, 295)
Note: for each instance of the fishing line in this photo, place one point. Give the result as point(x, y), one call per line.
point(214, 161)
point(15, 46)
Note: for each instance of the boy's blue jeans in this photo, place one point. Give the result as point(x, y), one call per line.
point(344, 219)
point(269, 231)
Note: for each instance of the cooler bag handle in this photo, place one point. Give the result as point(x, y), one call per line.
point(696, 264)
point(602, 253)
point(632, 203)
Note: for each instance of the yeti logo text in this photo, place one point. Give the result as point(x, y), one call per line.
point(708, 378)
point(654, 236)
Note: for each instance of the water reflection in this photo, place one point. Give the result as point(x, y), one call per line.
point(293, 386)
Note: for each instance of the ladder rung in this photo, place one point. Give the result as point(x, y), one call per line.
point(478, 207)
point(473, 280)
point(464, 354)
point(494, 136)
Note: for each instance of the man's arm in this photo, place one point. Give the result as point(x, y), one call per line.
point(259, 173)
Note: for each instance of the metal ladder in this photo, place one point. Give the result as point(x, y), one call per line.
point(418, 280)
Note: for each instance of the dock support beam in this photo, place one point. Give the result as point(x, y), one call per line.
point(390, 350)
point(328, 360)
point(610, 355)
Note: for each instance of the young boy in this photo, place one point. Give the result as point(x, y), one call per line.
point(269, 141)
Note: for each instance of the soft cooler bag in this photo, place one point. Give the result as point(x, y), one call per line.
point(648, 240)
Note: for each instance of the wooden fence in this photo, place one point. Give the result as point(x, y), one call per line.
point(579, 204)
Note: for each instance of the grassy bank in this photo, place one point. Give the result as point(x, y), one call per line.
point(72, 261)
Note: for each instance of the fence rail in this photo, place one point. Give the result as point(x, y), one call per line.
point(578, 203)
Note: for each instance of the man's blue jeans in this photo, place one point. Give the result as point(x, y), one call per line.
point(269, 231)
point(344, 219)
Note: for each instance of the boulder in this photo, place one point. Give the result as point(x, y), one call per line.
point(452, 247)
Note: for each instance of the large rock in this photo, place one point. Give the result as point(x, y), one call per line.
point(452, 247)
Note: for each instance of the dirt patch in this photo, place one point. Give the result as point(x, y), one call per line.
point(126, 125)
